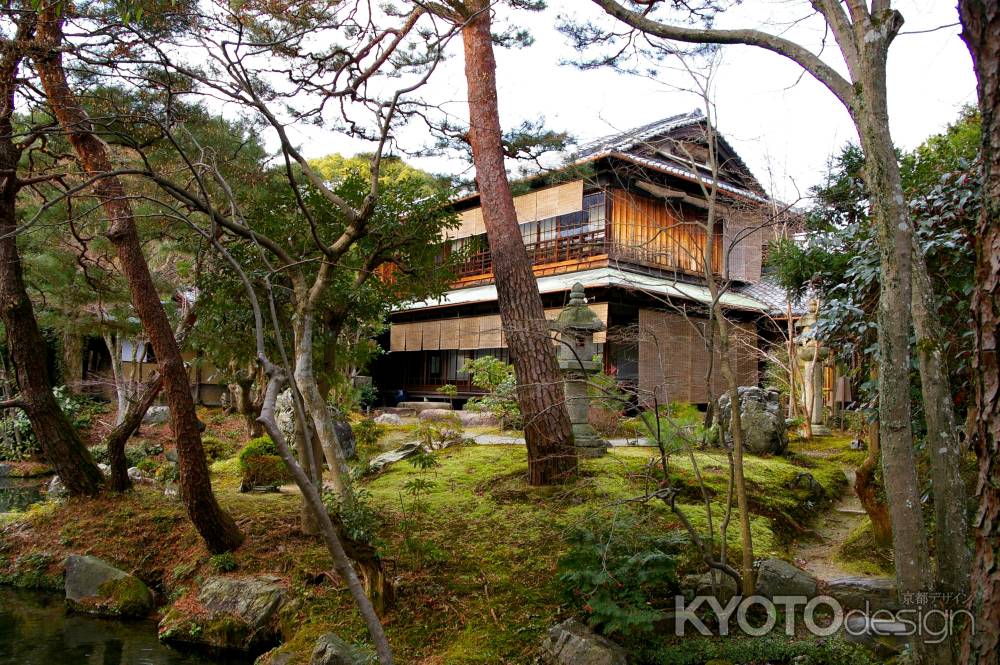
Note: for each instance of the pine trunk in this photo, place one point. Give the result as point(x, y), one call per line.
point(215, 526)
point(60, 443)
point(981, 32)
point(547, 431)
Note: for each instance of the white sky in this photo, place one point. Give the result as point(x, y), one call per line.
point(783, 124)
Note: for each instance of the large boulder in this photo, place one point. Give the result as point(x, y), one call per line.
point(761, 419)
point(780, 578)
point(229, 614)
point(96, 587)
point(884, 636)
point(572, 643)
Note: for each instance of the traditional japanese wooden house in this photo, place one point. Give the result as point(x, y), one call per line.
point(629, 220)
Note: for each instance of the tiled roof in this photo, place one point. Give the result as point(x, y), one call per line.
point(629, 139)
point(774, 296)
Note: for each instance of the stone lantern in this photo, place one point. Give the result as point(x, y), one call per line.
point(576, 326)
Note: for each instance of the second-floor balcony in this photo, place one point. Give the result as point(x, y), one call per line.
point(613, 228)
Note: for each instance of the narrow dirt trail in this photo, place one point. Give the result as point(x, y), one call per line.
point(816, 553)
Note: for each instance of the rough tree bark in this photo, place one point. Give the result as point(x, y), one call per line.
point(547, 431)
point(59, 441)
point(215, 526)
point(981, 32)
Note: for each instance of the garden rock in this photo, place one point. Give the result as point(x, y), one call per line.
point(572, 643)
point(417, 407)
point(439, 415)
point(96, 587)
point(56, 487)
point(762, 420)
point(858, 444)
point(284, 418)
point(345, 436)
point(388, 419)
point(231, 614)
point(331, 650)
point(156, 415)
point(135, 474)
point(5, 470)
point(780, 578)
point(478, 419)
point(701, 585)
point(385, 459)
point(883, 637)
point(859, 593)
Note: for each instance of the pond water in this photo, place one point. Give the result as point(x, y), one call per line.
point(19, 493)
point(36, 629)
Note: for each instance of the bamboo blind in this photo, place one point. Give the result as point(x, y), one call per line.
point(543, 204)
point(467, 333)
point(674, 361)
point(744, 244)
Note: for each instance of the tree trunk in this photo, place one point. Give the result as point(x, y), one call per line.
point(867, 491)
point(981, 32)
point(547, 431)
point(895, 239)
point(60, 443)
point(72, 361)
point(316, 407)
point(951, 530)
point(119, 436)
point(215, 526)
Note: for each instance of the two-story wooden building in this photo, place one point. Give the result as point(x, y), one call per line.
point(628, 220)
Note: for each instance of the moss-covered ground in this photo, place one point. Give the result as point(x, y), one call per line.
point(474, 553)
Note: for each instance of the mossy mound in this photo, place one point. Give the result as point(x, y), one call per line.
point(861, 553)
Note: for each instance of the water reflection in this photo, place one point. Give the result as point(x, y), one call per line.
point(35, 629)
point(19, 493)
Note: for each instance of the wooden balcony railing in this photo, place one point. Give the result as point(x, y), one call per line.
point(657, 253)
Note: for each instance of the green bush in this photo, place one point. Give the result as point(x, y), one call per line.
point(497, 378)
point(168, 472)
point(260, 464)
point(367, 433)
point(617, 572)
point(439, 434)
point(223, 563)
point(767, 649)
point(215, 448)
point(674, 426)
point(23, 445)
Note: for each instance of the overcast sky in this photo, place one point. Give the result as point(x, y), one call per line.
point(783, 124)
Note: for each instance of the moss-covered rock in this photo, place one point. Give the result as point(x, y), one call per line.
point(96, 587)
point(228, 614)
